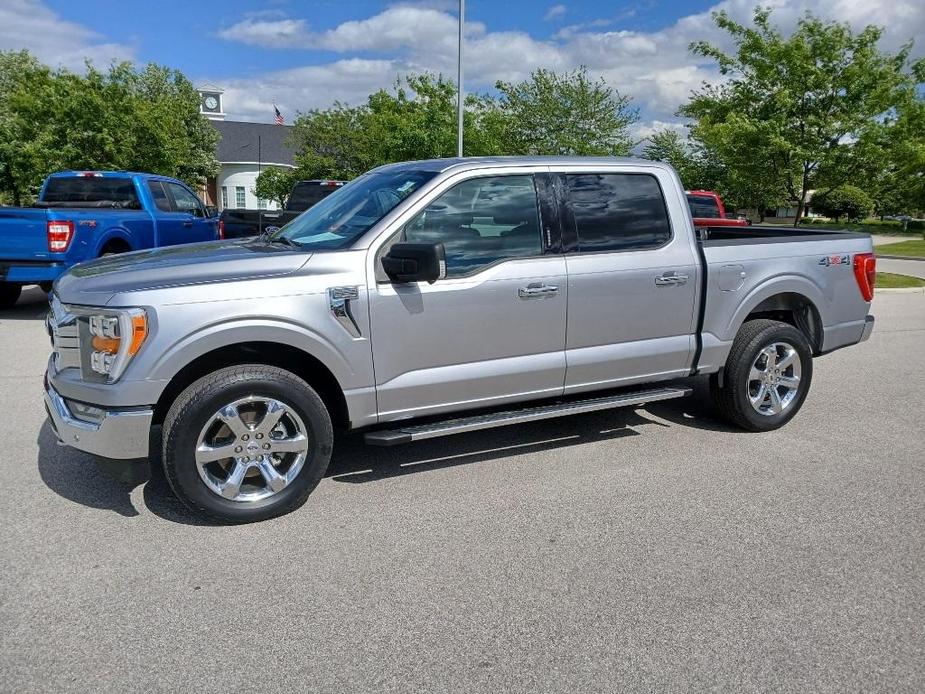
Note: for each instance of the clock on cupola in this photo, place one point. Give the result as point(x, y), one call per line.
point(210, 102)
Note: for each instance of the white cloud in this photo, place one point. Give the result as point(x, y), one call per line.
point(275, 33)
point(56, 41)
point(654, 67)
point(555, 12)
point(643, 130)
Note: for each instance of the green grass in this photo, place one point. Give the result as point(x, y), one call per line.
point(887, 280)
point(913, 249)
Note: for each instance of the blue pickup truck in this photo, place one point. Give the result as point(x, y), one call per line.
point(81, 215)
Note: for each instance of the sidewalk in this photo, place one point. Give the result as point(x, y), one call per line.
point(885, 239)
point(914, 268)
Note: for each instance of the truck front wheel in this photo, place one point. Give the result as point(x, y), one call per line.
point(9, 294)
point(766, 378)
point(246, 443)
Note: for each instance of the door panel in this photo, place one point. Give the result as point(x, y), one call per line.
point(632, 284)
point(194, 226)
point(622, 327)
point(470, 342)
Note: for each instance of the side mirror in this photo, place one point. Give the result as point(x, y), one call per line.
point(415, 262)
point(211, 211)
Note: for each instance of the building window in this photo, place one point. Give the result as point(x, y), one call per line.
point(239, 201)
point(224, 197)
point(261, 204)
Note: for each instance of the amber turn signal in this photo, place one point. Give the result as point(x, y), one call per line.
point(139, 333)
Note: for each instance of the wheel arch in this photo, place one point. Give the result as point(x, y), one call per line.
point(112, 237)
point(291, 358)
point(792, 301)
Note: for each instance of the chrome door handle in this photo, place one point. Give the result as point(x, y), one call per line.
point(536, 290)
point(670, 279)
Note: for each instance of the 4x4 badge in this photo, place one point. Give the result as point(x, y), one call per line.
point(830, 260)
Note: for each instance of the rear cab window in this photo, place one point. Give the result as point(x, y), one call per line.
point(615, 212)
point(306, 193)
point(703, 206)
point(96, 191)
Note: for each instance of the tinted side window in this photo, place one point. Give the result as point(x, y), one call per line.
point(160, 196)
point(185, 201)
point(481, 221)
point(616, 212)
point(703, 206)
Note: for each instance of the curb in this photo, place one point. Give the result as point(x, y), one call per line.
point(901, 290)
point(898, 257)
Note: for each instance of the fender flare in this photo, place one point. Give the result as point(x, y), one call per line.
point(215, 336)
point(775, 286)
point(111, 233)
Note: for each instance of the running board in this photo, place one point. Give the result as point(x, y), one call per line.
point(448, 427)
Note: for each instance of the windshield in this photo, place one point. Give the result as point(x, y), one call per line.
point(344, 216)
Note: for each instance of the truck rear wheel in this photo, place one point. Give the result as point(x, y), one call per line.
point(766, 378)
point(246, 443)
point(9, 294)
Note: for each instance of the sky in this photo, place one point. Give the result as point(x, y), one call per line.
point(302, 54)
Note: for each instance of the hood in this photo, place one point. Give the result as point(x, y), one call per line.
point(96, 282)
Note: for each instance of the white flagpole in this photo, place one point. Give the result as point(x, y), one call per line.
point(459, 81)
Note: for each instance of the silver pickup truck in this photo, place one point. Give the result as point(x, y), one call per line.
point(429, 298)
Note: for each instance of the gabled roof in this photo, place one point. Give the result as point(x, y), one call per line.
point(240, 139)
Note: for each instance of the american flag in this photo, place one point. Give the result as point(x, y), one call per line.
point(279, 116)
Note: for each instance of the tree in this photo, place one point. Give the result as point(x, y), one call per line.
point(275, 183)
point(119, 119)
point(696, 169)
point(549, 113)
point(668, 146)
point(800, 112)
point(567, 113)
point(25, 88)
point(845, 201)
point(899, 182)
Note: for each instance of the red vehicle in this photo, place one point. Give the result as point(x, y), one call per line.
point(708, 211)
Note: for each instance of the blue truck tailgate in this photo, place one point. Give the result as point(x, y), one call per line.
point(23, 233)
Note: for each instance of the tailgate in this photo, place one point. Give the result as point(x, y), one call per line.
point(24, 234)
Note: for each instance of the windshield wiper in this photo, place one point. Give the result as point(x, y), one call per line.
point(283, 240)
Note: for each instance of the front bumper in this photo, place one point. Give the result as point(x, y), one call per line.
point(117, 434)
point(868, 328)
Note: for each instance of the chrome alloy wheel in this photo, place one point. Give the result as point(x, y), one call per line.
point(251, 449)
point(774, 379)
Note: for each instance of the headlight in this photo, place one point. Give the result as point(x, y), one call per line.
point(109, 339)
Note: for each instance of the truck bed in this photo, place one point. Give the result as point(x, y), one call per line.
point(745, 266)
point(734, 236)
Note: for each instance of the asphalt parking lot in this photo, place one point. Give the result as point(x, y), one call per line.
point(646, 549)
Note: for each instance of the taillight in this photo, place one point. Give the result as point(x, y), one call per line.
point(221, 229)
point(865, 272)
point(59, 235)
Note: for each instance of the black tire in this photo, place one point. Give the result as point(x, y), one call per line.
point(9, 294)
point(46, 286)
point(196, 405)
point(732, 397)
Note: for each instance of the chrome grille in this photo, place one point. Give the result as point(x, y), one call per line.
point(62, 327)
